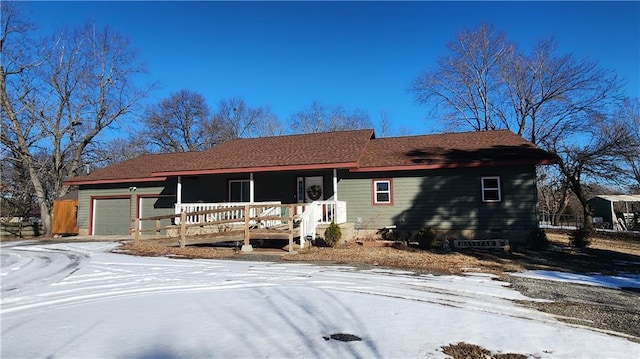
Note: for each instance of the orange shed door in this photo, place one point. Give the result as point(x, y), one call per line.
point(65, 219)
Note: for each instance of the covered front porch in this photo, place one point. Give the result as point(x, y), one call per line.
point(264, 216)
point(264, 201)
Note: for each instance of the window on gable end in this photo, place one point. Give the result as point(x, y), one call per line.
point(491, 190)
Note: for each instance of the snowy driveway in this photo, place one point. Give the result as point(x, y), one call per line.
point(79, 300)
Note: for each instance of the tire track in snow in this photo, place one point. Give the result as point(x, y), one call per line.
point(110, 276)
point(31, 267)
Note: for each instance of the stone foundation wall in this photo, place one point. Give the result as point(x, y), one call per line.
point(518, 237)
point(348, 231)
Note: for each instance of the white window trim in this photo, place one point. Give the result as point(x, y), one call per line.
point(484, 188)
point(376, 191)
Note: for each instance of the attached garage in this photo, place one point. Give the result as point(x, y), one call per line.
point(156, 206)
point(111, 216)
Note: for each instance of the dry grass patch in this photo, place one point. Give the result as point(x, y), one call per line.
point(154, 250)
point(618, 244)
point(606, 255)
point(403, 258)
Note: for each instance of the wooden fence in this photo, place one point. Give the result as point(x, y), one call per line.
point(245, 220)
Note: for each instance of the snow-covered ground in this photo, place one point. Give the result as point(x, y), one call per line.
point(595, 279)
point(78, 300)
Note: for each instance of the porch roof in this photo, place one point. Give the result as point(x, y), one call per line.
point(450, 150)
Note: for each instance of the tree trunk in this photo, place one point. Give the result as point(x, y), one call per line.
point(564, 202)
point(45, 217)
point(587, 210)
point(45, 206)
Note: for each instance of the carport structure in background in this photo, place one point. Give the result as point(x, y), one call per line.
point(617, 212)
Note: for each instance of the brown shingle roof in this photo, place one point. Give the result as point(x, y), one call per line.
point(138, 169)
point(309, 151)
point(320, 150)
point(357, 150)
point(463, 149)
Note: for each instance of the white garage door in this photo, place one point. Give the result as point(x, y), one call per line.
point(111, 216)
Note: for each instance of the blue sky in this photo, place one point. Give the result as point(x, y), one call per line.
point(357, 54)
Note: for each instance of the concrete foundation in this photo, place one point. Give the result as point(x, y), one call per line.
point(347, 229)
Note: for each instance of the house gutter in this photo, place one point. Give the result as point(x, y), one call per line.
point(256, 169)
point(119, 180)
point(451, 165)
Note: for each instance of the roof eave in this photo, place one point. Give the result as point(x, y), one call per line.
point(435, 166)
point(322, 166)
point(118, 180)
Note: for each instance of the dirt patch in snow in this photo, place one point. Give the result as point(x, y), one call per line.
point(154, 250)
point(471, 351)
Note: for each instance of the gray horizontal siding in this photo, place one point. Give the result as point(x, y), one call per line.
point(443, 199)
point(86, 192)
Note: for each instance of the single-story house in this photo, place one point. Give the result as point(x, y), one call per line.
point(465, 185)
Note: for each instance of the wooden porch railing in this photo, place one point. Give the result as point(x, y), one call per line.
point(223, 216)
point(260, 215)
point(320, 212)
point(234, 210)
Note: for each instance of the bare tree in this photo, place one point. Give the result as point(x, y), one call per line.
point(596, 158)
point(17, 197)
point(467, 84)
point(487, 83)
point(560, 103)
point(318, 118)
point(177, 123)
point(235, 119)
point(554, 193)
point(59, 97)
point(546, 91)
point(628, 116)
point(115, 150)
point(384, 124)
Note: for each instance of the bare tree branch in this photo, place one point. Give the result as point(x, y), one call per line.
point(467, 83)
point(57, 100)
point(319, 118)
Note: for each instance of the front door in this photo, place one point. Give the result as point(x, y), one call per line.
point(310, 189)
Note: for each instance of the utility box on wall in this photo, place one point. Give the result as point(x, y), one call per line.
point(65, 214)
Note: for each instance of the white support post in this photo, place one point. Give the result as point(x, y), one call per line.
point(251, 188)
point(178, 197)
point(179, 191)
point(335, 184)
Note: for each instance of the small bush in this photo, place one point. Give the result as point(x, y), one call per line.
point(332, 234)
point(426, 237)
point(581, 238)
point(537, 239)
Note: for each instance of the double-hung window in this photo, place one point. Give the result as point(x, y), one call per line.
point(491, 191)
point(239, 191)
point(383, 191)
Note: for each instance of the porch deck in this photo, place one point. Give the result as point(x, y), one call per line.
point(246, 222)
point(231, 236)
